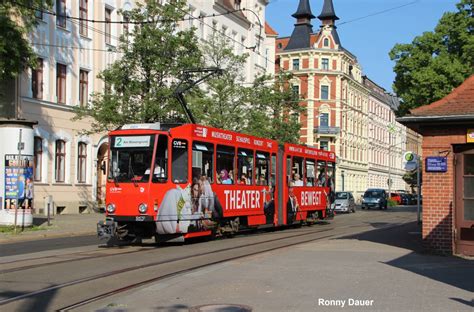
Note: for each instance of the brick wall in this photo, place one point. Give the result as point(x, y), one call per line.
point(438, 190)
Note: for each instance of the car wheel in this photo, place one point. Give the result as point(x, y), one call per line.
point(353, 210)
point(363, 207)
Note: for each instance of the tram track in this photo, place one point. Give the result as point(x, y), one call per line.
point(109, 274)
point(139, 275)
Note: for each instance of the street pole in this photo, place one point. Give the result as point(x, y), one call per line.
point(389, 182)
point(419, 191)
point(18, 180)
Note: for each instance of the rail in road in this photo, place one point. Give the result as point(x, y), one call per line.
point(73, 283)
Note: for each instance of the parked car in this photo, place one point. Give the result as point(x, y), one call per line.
point(374, 198)
point(405, 199)
point(344, 202)
point(396, 197)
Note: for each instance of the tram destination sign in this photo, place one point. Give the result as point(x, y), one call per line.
point(132, 141)
point(436, 164)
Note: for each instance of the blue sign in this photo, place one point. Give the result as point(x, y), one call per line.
point(436, 164)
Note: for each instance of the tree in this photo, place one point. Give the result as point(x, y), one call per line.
point(435, 62)
point(266, 108)
point(410, 177)
point(275, 110)
point(17, 18)
point(222, 102)
point(139, 86)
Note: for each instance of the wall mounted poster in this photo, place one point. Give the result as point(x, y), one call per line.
point(18, 182)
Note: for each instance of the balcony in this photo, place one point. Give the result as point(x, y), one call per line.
point(327, 131)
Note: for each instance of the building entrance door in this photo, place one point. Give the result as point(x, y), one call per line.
point(464, 199)
point(102, 163)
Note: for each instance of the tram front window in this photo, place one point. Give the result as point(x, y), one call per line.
point(130, 158)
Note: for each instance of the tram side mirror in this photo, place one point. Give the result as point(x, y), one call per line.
point(102, 167)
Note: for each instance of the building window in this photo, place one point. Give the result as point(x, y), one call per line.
point(61, 83)
point(237, 4)
point(38, 157)
point(39, 12)
point(108, 28)
point(83, 17)
point(324, 145)
point(324, 120)
point(326, 42)
point(296, 64)
point(81, 162)
point(60, 156)
point(126, 29)
point(61, 13)
point(83, 92)
point(295, 89)
point(324, 92)
point(325, 63)
point(37, 80)
point(279, 45)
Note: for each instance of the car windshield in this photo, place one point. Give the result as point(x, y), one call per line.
point(373, 194)
point(341, 195)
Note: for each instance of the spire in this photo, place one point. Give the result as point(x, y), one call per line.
point(304, 10)
point(300, 38)
point(328, 14)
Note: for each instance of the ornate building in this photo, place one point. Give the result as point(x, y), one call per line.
point(345, 111)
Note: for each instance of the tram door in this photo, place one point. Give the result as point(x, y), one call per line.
point(102, 162)
point(464, 199)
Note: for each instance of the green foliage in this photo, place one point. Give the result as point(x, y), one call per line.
point(222, 101)
point(391, 203)
point(140, 85)
point(267, 108)
point(435, 62)
point(275, 109)
point(17, 18)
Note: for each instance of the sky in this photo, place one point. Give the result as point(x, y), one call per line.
point(371, 38)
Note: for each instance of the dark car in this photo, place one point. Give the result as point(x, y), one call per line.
point(374, 198)
point(405, 199)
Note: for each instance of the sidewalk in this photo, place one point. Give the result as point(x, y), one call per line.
point(66, 225)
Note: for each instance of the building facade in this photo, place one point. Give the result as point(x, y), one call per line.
point(345, 111)
point(447, 127)
point(242, 22)
point(69, 166)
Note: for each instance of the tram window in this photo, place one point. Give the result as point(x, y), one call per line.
point(262, 165)
point(321, 173)
point(331, 176)
point(297, 171)
point(245, 166)
point(203, 156)
point(160, 173)
point(273, 177)
point(309, 174)
point(225, 164)
point(180, 161)
point(288, 170)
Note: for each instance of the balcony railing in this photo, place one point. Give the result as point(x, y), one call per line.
point(327, 130)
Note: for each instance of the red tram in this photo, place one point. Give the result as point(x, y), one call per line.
point(191, 180)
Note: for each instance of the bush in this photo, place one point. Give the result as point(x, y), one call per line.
point(392, 203)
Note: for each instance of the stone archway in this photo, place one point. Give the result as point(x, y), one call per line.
point(102, 164)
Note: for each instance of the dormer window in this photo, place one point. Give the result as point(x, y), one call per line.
point(279, 45)
point(326, 42)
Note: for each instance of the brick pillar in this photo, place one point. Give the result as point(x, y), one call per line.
point(438, 197)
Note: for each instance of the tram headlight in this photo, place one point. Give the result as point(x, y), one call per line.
point(142, 208)
point(110, 208)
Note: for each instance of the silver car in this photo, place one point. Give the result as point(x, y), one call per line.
point(344, 202)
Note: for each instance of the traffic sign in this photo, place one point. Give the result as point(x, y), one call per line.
point(410, 161)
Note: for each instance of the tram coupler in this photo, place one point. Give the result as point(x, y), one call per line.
point(106, 229)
